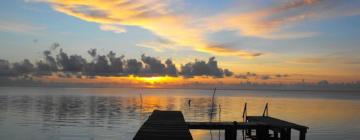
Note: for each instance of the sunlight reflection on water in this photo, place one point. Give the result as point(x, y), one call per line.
point(113, 114)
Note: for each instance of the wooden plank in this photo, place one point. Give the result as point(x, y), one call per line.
point(274, 122)
point(164, 125)
point(224, 125)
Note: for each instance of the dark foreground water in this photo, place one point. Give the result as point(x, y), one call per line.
point(116, 114)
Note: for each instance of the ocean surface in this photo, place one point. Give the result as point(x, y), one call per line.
point(117, 113)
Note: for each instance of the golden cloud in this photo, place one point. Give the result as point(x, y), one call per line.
point(152, 15)
point(113, 28)
point(188, 31)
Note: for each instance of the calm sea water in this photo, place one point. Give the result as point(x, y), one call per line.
point(116, 114)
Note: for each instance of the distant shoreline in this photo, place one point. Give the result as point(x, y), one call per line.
point(185, 88)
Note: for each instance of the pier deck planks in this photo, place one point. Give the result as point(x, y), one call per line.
point(164, 125)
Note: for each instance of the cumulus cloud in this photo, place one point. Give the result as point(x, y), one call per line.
point(92, 53)
point(72, 65)
point(202, 68)
point(113, 28)
point(153, 65)
point(4, 68)
point(23, 68)
point(50, 60)
point(170, 68)
point(133, 66)
point(116, 63)
point(228, 73)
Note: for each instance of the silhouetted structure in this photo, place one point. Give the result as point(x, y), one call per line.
point(164, 125)
point(170, 125)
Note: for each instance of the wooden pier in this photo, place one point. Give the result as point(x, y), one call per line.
point(170, 125)
point(164, 125)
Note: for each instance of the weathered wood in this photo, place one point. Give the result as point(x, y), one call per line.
point(231, 132)
point(262, 133)
point(302, 135)
point(275, 123)
point(285, 134)
point(164, 125)
point(223, 125)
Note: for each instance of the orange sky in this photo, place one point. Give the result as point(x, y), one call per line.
point(171, 82)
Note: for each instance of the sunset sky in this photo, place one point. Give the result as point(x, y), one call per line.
point(305, 39)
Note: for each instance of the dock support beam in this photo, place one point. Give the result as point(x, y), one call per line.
point(262, 133)
point(285, 134)
point(231, 132)
point(302, 135)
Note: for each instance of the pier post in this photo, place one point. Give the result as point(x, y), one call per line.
point(285, 134)
point(302, 134)
point(262, 133)
point(231, 132)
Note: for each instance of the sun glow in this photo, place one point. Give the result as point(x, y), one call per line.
point(155, 80)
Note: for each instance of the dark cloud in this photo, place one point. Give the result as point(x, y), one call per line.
point(42, 68)
point(4, 68)
point(241, 76)
point(187, 70)
point(116, 63)
point(92, 53)
point(250, 74)
point(170, 68)
point(228, 73)
point(265, 77)
point(247, 75)
point(23, 68)
point(54, 46)
point(214, 69)
point(133, 66)
point(323, 83)
point(74, 63)
point(153, 65)
point(202, 68)
point(50, 64)
point(71, 65)
point(50, 60)
point(101, 66)
point(281, 75)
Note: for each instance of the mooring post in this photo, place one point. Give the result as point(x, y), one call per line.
point(262, 133)
point(285, 134)
point(231, 132)
point(288, 134)
point(302, 134)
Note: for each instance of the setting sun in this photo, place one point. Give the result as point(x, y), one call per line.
point(153, 80)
